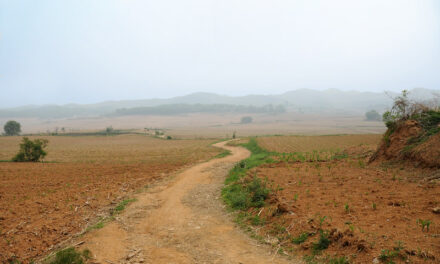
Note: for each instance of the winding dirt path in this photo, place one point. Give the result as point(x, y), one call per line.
point(180, 221)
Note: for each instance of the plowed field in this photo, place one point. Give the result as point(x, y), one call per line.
point(42, 204)
point(289, 144)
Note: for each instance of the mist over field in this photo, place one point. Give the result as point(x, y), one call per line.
point(83, 52)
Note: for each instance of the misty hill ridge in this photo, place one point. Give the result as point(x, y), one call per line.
point(303, 100)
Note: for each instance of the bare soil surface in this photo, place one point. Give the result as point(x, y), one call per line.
point(181, 220)
point(365, 209)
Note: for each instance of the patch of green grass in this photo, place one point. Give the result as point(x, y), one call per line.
point(223, 154)
point(241, 195)
point(340, 260)
point(310, 259)
point(322, 243)
point(98, 225)
point(388, 256)
point(257, 220)
point(70, 256)
point(121, 206)
point(301, 238)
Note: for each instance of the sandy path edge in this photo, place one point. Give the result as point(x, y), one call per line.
point(182, 220)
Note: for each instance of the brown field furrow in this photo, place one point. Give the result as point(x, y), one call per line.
point(319, 143)
point(42, 204)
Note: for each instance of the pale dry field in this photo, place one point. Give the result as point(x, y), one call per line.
point(215, 125)
point(290, 144)
point(118, 149)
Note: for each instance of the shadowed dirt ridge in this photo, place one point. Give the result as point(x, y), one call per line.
point(180, 221)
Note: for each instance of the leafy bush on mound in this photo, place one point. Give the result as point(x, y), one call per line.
point(427, 114)
point(410, 124)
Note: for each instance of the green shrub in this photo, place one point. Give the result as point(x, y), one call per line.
point(31, 150)
point(323, 241)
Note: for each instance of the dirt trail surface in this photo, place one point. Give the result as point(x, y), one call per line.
point(182, 220)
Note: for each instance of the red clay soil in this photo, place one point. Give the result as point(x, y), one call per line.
point(42, 204)
point(367, 209)
point(426, 154)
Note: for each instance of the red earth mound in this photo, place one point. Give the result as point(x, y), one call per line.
point(407, 143)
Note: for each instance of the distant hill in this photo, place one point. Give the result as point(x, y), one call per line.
point(302, 100)
point(176, 109)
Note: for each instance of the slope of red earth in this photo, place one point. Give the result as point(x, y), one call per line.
point(43, 204)
point(365, 209)
point(397, 147)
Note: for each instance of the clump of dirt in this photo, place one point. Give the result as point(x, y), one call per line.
point(410, 142)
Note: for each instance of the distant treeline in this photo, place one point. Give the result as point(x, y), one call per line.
point(175, 109)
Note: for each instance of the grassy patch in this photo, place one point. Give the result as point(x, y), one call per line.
point(301, 238)
point(223, 154)
point(340, 260)
point(388, 256)
point(322, 243)
point(121, 206)
point(98, 225)
point(70, 256)
point(240, 193)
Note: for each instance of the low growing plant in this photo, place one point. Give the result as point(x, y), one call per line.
point(301, 238)
point(424, 224)
point(71, 256)
point(323, 241)
point(340, 260)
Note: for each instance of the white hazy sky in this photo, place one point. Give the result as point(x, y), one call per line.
point(86, 51)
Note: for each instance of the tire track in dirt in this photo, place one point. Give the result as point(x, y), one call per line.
point(180, 221)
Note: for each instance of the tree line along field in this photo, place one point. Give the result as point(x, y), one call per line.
point(337, 209)
point(42, 204)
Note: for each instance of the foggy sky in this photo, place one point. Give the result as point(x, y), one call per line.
point(84, 51)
